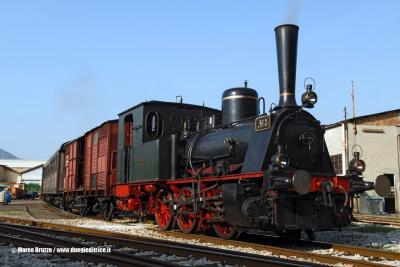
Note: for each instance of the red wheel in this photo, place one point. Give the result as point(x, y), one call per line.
point(225, 230)
point(186, 219)
point(163, 210)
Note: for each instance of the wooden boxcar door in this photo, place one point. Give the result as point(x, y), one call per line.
point(80, 159)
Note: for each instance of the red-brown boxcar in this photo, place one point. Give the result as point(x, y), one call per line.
point(90, 168)
point(72, 158)
point(100, 159)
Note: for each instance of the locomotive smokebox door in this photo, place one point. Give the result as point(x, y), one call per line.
point(239, 103)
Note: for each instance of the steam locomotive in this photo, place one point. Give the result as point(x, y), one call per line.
point(198, 168)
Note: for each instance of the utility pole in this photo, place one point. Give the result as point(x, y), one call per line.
point(353, 96)
point(346, 140)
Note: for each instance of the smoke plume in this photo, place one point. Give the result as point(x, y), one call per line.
point(292, 12)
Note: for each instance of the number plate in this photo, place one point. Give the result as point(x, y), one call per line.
point(262, 123)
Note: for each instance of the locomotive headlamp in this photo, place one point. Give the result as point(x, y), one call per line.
point(359, 165)
point(281, 161)
point(309, 98)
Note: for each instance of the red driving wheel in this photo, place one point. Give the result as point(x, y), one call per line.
point(163, 210)
point(186, 218)
point(225, 230)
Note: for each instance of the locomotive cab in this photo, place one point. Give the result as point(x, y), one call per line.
point(144, 137)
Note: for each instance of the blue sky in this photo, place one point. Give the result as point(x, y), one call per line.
point(67, 66)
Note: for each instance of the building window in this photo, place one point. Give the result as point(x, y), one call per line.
point(337, 163)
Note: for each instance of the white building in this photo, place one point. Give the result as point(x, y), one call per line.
point(32, 175)
point(377, 138)
point(21, 172)
point(21, 164)
point(8, 175)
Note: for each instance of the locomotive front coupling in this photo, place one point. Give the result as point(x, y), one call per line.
point(357, 184)
point(381, 185)
point(300, 182)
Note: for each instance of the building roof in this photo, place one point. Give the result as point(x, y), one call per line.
point(33, 168)
point(336, 124)
point(21, 163)
point(9, 168)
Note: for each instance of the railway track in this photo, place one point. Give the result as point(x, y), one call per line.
point(352, 250)
point(257, 244)
point(277, 247)
point(114, 258)
point(378, 220)
point(346, 249)
point(52, 238)
point(40, 212)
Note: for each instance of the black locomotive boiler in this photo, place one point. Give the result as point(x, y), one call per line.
point(239, 169)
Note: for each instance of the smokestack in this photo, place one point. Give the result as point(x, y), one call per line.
point(286, 48)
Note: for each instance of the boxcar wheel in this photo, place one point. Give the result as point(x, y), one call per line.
point(187, 219)
point(83, 211)
point(65, 206)
point(70, 205)
point(109, 212)
point(70, 208)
